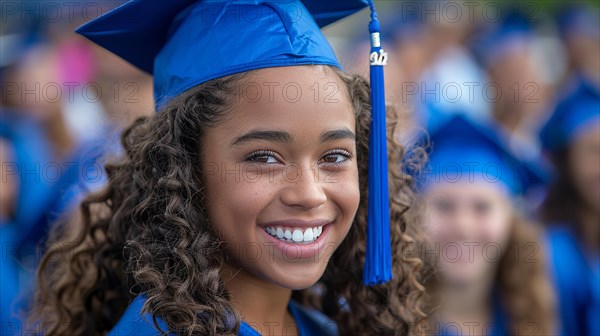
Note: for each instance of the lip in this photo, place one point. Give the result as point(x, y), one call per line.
point(297, 223)
point(298, 251)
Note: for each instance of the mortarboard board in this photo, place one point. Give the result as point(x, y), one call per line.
point(184, 43)
point(577, 111)
point(468, 150)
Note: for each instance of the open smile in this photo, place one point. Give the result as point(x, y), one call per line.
point(298, 239)
point(295, 235)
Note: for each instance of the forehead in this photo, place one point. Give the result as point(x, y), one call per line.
point(467, 188)
point(283, 95)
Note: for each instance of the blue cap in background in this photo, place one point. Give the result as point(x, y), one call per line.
point(464, 150)
point(572, 116)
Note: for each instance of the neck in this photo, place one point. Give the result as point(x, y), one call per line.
point(468, 305)
point(262, 304)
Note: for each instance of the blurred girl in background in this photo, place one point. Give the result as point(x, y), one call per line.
point(493, 278)
point(571, 138)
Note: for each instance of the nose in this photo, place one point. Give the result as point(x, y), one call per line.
point(464, 224)
point(302, 188)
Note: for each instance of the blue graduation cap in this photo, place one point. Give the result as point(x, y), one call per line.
point(184, 43)
point(469, 151)
point(572, 116)
point(576, 19)
point(514, 31)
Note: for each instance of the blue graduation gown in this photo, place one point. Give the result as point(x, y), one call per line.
point(576, 278)
point(9, 280)
point(309, 322)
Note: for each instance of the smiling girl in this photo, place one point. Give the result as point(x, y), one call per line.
point(230, 212)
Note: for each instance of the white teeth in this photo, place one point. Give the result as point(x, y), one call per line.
point(308, 235)
point(295, 235)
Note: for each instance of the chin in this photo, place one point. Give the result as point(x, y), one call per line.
point(460, 275)
point(298, 277)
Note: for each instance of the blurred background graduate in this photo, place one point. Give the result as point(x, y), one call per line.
point(571, 139)
point(39, 164)
point(493, 277)
point(57, 131)
point(22, 151)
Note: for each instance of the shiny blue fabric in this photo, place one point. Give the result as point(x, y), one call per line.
point(576, 277)
point(184, 43)
point(134, 323)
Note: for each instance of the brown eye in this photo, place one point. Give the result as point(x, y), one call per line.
point(263, 157)
point(482, 207)
point(335, 157)
point(443, 205)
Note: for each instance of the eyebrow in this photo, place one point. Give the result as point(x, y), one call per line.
point(277, 136)
point(282, 136)
point(338, 134)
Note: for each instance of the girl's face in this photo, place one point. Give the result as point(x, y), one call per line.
point(585, 166)
point(469, 224)
point(281, 174)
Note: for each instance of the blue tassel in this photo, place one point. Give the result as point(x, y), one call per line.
point(378, 260)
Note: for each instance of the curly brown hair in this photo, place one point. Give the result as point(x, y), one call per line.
point(147, 232)
point(524, 283)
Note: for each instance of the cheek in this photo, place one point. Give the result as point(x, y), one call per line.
point(438, 225)
point(496, 227)
point(345, 193)
point(435, 226)
point(228, 207)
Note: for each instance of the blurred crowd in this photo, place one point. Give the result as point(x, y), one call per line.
point(504, 96)
point(63, 104)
